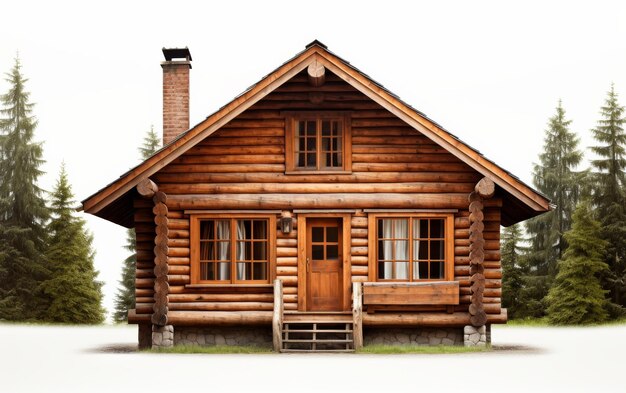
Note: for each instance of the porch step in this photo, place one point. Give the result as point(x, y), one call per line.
point(317, 332)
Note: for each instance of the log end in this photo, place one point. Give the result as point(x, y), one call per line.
point(485, 188)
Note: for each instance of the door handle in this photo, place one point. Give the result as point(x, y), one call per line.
point(308, 264)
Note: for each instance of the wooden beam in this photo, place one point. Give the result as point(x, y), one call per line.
point(147, 188)
point(326, 201)
point(485, 188)
point(438, 319)
point(316, 73)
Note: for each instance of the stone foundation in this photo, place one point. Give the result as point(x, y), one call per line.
point(255, 336)
point(413, 336)
point(162, 336)
point(474, 336)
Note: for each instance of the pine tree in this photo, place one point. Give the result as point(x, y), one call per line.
point(554, 176)
point(577, 297)
point(23, 212)
point(75, 294)
point(514, 268)
point(609, 192)
point(125, 296)
point(151, 143)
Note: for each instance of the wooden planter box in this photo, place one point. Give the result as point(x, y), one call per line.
point(411, 293)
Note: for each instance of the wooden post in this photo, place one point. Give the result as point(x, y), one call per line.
point(277, 319)
point(357, 315)
point(484, 189)
point(148, 189)
point(317, 74)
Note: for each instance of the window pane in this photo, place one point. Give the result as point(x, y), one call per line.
point(332, 251)
point(326, 129)
point(242, 255)
point(401, 228)
point(205, 268)
point(420, 249)
point(423, 270)
point(318, 234)
point(311, 160)
point(402, 271)
point(437, 229)
point(385, 270)
point(207, 229)
point(223, 271)
point(336, 128)
point(207, 251)
point(337, 159)
point(436, 270)
point(301, 160)
point(310, 128)
point(301, 128)
point(384, 230)
point(301, 144)
point(402, 250)
point(436, 249)
point(223, 229)
point(332, 234)
point(326, 144)
point(244, 271)
point(260, 251)
point(318, 252)
point(328, 160)
point(260, 271)
point(244, 229)
point(260, 229)
point(417, 229)
point(385, 249)
point(310, 144)
point(223, 251)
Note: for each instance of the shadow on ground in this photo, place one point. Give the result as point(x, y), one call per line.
point(496, 349)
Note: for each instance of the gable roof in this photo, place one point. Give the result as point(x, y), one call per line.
point(108, 202)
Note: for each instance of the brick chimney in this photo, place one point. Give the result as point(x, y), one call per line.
point(175, 92)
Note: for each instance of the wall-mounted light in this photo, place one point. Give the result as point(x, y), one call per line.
point(286, 222)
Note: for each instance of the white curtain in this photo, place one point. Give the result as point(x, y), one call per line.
point(241, 250)
point(416, 248)
point(223, 233)
point(398, 229)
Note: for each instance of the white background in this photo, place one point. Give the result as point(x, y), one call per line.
point(490, 72)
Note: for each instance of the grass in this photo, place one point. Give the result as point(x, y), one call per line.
point(415, 349)
point(218, 349)
point(543, 322)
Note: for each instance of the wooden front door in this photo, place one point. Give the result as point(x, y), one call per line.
point(324, 264)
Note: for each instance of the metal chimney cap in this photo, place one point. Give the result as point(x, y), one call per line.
point(177, 53)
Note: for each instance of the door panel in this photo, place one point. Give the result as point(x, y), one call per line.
point(324, 264)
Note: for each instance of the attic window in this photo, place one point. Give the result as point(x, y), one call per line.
point(318, 142)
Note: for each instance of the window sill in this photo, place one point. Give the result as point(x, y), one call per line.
point(229, 288)
point(318, 172)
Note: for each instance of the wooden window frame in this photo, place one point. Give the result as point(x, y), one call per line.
point(194, 221)
point(291, 119)
point(448, 236)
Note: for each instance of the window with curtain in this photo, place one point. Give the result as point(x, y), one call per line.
point(411, 248)
point(233, 250)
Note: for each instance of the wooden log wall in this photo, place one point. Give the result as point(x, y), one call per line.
point(242, 166)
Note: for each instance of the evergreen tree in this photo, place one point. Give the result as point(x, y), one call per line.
point(151, 143)
point(555, 177)
point(75, 294)
point(23, 212)
point(609, 192)
point(514, 268)
point(577, 297)
point(125, 296)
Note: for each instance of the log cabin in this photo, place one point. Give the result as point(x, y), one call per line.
point(316, 211)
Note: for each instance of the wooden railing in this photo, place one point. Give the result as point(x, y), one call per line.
point(277, 319)
point(357, 314)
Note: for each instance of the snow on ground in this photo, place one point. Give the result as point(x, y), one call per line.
point(97, 359)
